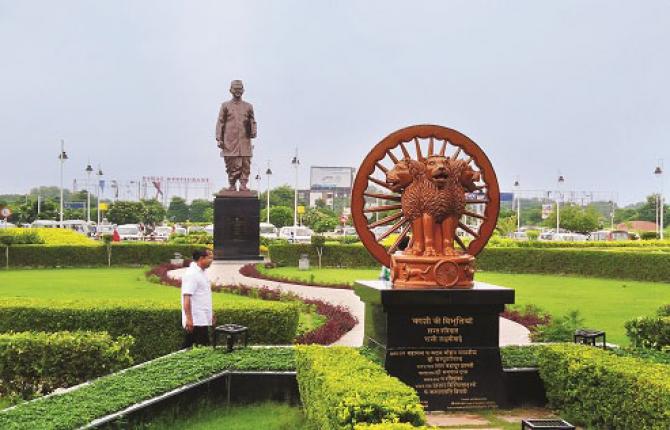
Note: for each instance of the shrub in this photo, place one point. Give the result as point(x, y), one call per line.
point(649, 332)
point(647, 354)
point(392, 426)
point(624, 264)
point(663, 311)
point(141, 253)
point(520, 356)
point(334, 255)
point(559, 329)
point(38, 362)
point(339, 321)
point(340, 388)
point(19, 236)
point(156, 327)
point(649, 235)
point(251, 270)
point(113, 393)
point(530, 316)
point(599, 389)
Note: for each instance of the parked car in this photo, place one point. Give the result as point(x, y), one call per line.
point(609, 235)
point(195, 228)
point(44, 223)
point(268, 231)
point(181, 231)
point(4, 224)
point(80, 226)
point(518, 235)
point(340, 231)
point(130, 232)
point(104, 230)
point(162, 233)
point(296, 234)
point(210, 229)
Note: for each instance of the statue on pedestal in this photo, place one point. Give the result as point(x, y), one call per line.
point(235, 127)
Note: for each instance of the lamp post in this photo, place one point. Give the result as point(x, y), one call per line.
point(268, 173)
point(296, 164)
point(660, 206)
point(99, 174)
point(518, 205)
point(561, 179)
point(62, 157)
point(88, 171)
point(258, 184)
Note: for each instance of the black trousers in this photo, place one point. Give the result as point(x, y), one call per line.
point(199, 336)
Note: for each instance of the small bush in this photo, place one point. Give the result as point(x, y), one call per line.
point(649, 332)
point(340, 388)
point(38, 362)
point(156, 327)
point(334, 255)
point(559, 329)
point(600, 390)
point(519, 356)
point(530, 316)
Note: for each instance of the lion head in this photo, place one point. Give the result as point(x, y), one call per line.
point(438, 169)
point(403, 173)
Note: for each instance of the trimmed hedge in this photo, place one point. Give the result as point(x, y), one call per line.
point(141, 253)
point(649, 332)
point(156, 327)
point(599, 389)
point(634, 244)
point(38, 362)
point(334, 255)
point(392, 426)
point(641, 266)
point(340, 388)
point(115, 392)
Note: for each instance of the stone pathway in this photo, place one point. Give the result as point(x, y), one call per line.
point(227, 273)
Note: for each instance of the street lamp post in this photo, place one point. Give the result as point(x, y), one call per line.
point(99, 190)
point(268, 173)
point(561, 179)
point(660, 205)
point(88, 170)
point(296, 164)
point(258, 184)
point(518, 205)
point(62, 157)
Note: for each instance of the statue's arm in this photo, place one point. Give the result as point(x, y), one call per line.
point(252, 122)
point(221, 125)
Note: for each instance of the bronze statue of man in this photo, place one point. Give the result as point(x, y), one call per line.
point(235, 128)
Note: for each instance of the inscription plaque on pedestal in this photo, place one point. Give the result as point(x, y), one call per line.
point(444, 343)
point(236, 226)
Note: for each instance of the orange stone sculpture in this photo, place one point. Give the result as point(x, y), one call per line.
point(445, 197)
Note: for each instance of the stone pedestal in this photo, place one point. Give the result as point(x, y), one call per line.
point(236, 226)
point(444, 342)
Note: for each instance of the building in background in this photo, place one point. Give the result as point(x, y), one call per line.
point(332, 185)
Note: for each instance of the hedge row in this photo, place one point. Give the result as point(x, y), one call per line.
point(115, 392)
point(622, 265)
point(340, 388)
point(499, 242)
point(601, 390)
point(38, 362)
point(156, 327)
point(142, 253)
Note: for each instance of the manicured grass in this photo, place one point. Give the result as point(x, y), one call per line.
point(604, 303)
point(108, 284)
point(266, 416)
point(4, 403)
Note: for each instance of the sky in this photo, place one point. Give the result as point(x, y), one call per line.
point(578, 88)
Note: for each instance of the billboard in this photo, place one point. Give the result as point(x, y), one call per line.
point(328, 178)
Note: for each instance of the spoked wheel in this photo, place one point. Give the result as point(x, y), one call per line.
point(376, 209)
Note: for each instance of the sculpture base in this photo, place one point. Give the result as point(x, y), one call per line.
point(236, 226)
point(412, 271)
point(444, 343)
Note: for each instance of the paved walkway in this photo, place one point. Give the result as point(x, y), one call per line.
point(227, 273)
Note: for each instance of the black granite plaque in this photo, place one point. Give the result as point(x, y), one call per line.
point(236, 227)
point(444, 343)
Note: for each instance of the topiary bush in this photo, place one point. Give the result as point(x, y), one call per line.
point(340, 388)
point(600, 390)
point(156, 327)
point(38, 362)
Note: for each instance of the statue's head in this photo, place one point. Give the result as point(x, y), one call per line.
point(437, 169)
point(236, 89)
point(403, 173)
point(468, 177)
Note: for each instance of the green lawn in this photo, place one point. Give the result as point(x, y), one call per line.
point(604, 303)
point(108, 284)
point(266, 416)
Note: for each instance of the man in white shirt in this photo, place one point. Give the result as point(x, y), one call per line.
point(196, 303)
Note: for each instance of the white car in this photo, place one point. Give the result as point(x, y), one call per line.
point(44, 223)
point(210, 229)
point(268, 231)
point(162, 233)
point(296, 234)
point(7, 225)
point(104, 230)
point(195, 228)
point(130, 232)
point(80, 226)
